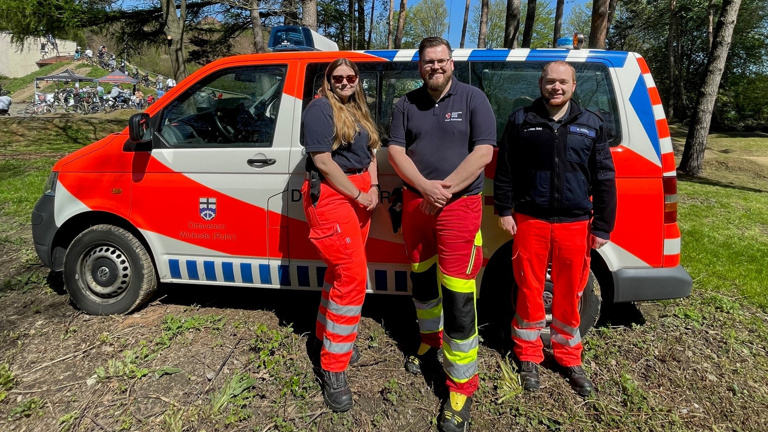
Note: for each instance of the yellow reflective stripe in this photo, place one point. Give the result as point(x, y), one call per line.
point(421, 267)
point(429, 313)
point(478, 243)
point(460, 366)
point(456, 284)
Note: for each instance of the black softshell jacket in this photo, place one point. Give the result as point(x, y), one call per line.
point(552, 175)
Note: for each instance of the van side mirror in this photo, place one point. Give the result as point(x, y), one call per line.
point(138, 128)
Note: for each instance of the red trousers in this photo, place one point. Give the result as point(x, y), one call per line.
point(445, 250)
point(536, 243)
point(338, 227)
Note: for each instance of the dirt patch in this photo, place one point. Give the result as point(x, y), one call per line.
point(759, 159)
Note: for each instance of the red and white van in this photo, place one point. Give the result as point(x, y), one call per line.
point(203, 187)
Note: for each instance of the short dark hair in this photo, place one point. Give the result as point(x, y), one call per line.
point(431, 42)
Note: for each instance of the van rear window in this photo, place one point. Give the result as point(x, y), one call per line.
point(508, 86)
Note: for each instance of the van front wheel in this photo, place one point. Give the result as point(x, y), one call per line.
point(108, 271)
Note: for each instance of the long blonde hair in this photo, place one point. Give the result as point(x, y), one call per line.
point(347, 117)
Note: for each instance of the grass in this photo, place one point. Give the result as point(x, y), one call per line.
point(17, 84)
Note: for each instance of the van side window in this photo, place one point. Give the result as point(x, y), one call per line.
point(236, 107)
point(511, 85)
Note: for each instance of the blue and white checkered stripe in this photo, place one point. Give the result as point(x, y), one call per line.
point(304, 274)
point(615, 59)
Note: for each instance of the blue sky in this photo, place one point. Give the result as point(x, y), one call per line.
point(456, 17)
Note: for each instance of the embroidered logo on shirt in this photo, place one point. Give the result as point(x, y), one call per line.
point(454, 116)
point(532, 129)
point(583, 131)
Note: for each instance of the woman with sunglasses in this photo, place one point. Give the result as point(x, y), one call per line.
point(340, 193)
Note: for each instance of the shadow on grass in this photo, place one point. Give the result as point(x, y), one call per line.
point(682, 177)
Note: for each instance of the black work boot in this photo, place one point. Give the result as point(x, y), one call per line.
point(355, 356)
point(336, 392)
point(417, 364)
point(579, 381)
point(454, 417)
point(529, 375)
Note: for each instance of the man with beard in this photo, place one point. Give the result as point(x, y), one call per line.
point(555, 192)
point(441, 138)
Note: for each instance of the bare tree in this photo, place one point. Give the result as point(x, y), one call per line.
point(360, 24)
point(695, 143)
point(175, 23)
point(599, 29)
point(259, 46)
point(290, 12)
point(389, 23)
point(464, 26)
point(308, 14)
point(483, 24)
point(512, 24)
point(530, 19)
point(370, 27)
point(400, 24)
point(672, 40)
point(558, 21)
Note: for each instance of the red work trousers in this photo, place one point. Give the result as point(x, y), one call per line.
point(536, 242)
point(338, 227)
point(445, 250)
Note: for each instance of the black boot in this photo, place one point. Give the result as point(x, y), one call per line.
point(355, 356)
point(529, 376)
point(417, 364)
point(579, 381)
point(336, 392)
point(454, 416)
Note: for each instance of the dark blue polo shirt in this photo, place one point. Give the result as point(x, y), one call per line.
point(438, 136)
point(318, 137)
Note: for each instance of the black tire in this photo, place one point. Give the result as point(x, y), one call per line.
point(108, 271)
point(498, 296)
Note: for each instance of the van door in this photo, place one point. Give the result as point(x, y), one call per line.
point(220, 153)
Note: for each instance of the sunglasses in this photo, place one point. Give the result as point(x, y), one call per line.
point(338, 79)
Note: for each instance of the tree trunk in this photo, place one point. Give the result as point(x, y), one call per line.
point(599, 30)
point(530, 19)
point(401, 24)
point(351, 26)
point(259, 46)
point(710, 23)
point(512, 24)
point(558, 22)
point(483, 33)
point(360, 25)
point(389, 22)
point(671, 43)
point(370, 27)
point(175, 24)
point(464, 26)
point(695, 143)
point(308, 14)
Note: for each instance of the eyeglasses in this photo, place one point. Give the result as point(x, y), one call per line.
point(439, 63)
point(338, 79)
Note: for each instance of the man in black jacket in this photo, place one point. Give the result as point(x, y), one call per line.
point(555, 192)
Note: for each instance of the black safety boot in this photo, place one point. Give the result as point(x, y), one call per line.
point(336, 392)
point(417, 364)
point(355, 356)
point(454, 417)
point(579, 381)
point(529, 376)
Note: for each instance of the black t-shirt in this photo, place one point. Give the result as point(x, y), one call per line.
point(438, 136)
point(318, 137)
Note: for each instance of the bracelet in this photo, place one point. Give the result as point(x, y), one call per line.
point(359, 192)
point(376, 185)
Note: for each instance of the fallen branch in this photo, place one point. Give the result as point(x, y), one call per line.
point(96, 422)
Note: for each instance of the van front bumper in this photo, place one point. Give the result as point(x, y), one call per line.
point(651, 284)
point(43, 230)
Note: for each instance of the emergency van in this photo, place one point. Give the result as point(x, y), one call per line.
point(204, 187)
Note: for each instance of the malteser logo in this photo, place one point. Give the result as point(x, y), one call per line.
point(454, 116)
point(207, 208)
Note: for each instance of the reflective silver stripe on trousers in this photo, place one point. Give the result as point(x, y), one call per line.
point(431, 325)
point(339, 329)
point(527, 331)
point(337, 348)
point(462, 346)
point(339, 309)
point(562, 340)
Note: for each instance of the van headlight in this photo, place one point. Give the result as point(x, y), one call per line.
point(50, 184)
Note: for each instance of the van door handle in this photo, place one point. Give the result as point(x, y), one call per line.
point(261, 161)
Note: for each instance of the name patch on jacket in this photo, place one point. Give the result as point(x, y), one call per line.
point(533, 129)
point(583, 130)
